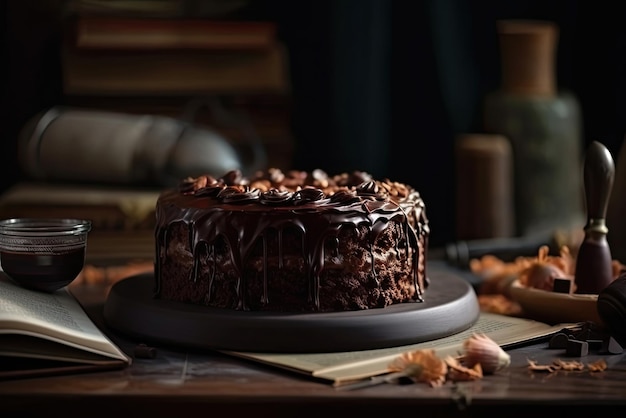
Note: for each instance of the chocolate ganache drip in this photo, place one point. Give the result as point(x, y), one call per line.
point(241, 213)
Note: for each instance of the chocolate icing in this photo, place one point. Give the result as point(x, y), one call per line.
point(241, 211)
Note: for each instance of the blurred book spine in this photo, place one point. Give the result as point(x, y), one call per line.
point(124, 73)
point(101, 33)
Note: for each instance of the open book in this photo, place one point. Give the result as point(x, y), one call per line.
point(342, 368)
point(50, 333)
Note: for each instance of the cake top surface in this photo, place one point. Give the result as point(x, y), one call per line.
point(278, 189)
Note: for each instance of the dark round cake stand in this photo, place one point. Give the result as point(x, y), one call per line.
point(450, 306)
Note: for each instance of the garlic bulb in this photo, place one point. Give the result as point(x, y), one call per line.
point(480, 349)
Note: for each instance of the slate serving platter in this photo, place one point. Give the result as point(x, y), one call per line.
point(450, 306)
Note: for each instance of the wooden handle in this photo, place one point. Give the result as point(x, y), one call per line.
point(594, 271)
point(599, 173)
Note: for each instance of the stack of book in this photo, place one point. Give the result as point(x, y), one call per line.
point(124, 56)
point(172, 65)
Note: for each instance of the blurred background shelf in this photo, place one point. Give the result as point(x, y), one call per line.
point(366, 80)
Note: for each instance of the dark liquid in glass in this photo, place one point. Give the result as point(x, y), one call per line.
point(45, 272)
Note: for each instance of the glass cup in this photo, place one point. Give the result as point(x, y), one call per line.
point(43, 254)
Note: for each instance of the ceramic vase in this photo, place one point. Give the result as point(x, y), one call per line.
point(544, 127)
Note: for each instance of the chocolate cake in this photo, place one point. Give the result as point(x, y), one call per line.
point(291, 242)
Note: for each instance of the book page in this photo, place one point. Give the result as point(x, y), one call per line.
point(342, 367)
point(57, 317)
point(28, 346)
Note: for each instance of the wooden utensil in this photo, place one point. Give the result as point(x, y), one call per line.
point(593, 263)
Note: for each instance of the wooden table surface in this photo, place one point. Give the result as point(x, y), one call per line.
point(179, 382)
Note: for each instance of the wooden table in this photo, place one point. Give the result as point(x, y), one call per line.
point(179, 382)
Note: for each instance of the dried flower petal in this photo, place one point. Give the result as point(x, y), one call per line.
point(457, 372)
point(500, 304)
point(533, 366)
point(480, 349)
point(568, 365)
point(597, 366)
point(421, 366)
point(538, 272)
point(541, 273)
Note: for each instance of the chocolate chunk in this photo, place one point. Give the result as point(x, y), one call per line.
point(577, 348)
point(558, 340)
point(595, 344)
point(144, 351)
point(562, 286)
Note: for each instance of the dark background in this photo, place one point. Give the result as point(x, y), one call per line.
point(380, 86)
